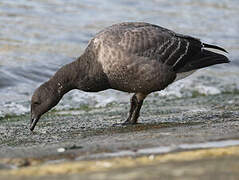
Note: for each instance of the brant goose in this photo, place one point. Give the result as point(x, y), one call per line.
point(134, 57)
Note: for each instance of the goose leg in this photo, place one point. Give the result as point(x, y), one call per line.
point(136, 104)
point(133, 105)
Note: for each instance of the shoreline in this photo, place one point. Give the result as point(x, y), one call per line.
point(87, 136)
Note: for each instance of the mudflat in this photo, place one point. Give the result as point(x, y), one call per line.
point(88, 136)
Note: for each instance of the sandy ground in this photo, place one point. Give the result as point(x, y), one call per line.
point(220, 163)
point(84, 143)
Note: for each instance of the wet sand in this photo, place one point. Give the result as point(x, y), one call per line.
point(75, 141)
point(218, 163)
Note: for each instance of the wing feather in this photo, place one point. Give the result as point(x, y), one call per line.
point(157, 43)
point(153, 42)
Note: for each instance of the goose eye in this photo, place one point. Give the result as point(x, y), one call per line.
point(36, 103)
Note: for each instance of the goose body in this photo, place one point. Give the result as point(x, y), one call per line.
point(135, 57)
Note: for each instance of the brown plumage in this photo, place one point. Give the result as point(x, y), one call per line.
point(136, 57)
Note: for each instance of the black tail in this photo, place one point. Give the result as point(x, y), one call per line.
point(214, 47)
point(204, 59)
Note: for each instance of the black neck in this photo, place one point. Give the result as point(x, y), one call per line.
point(83, 74)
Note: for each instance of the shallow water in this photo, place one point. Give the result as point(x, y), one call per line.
point(167, 149)
point(38, 37)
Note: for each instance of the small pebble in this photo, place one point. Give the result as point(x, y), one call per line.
point(60, 150)
point(151, 157)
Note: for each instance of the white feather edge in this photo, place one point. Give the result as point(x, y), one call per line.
point(183, 75)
